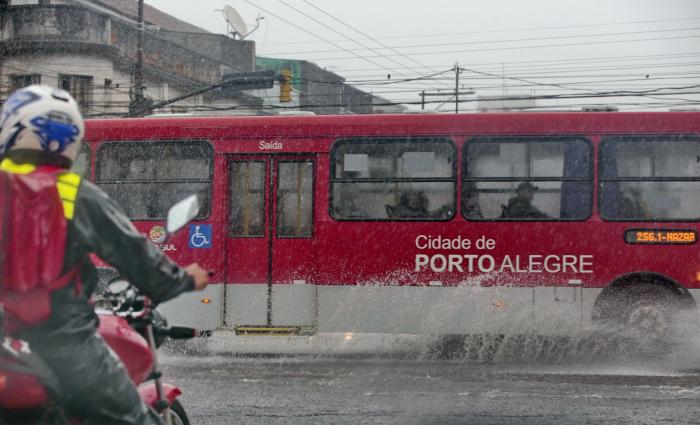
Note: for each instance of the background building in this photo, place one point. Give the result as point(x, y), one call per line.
point(320, 91)
point(89, 48)
point(91, 51)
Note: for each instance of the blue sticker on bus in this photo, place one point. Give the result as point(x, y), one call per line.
point(200, 236)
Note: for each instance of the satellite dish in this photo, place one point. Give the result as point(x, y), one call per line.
point(236, 22)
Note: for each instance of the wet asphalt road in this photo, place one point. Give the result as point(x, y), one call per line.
point(307, 390)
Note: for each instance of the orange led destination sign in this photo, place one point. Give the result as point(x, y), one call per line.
point(661, 236)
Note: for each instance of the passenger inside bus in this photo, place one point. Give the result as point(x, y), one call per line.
point(470, 202)
point(520, 206)
point(414, 204)
point(346, 205)
point(631, 206)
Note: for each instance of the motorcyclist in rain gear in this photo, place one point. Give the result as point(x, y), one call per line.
point(39, 126)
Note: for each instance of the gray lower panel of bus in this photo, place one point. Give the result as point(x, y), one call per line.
point(390, 309)
point(244, 305)
point(439, 310)
point(459, 310)
point(201, 310)
point(292, 305)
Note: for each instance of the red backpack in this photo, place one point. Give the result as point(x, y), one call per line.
point(32, 246)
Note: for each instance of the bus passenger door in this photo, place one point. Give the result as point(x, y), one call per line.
point(293, 290)
point(270, 242)
point(248, 241)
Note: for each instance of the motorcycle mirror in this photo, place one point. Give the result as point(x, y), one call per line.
point(182, 213)
point(117, 286)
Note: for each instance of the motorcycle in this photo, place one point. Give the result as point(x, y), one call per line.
point(130, 324)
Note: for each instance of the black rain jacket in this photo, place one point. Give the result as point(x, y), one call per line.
point(99, 226)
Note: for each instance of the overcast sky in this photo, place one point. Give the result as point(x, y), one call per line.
point(603, 45)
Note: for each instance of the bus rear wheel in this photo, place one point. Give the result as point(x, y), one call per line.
point(648, 320)
point(648, 315)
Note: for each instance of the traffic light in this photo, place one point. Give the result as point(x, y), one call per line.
point(286, 86)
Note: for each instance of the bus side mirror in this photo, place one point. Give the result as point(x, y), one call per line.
point(182, 213)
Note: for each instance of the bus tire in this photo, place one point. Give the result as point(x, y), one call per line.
point(647, 314)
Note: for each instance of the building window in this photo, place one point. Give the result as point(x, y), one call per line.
point(393, 179)
point(79, 86)
point(20, 81)
point(650, 178)
point(539, 178)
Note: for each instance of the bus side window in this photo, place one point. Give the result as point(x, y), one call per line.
point(470, 202)
point(347, 201)
point(527, 178)
point(393, 179)
point(145, 178)
point(650, 178)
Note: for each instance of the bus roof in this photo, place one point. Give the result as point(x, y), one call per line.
point(395, 125)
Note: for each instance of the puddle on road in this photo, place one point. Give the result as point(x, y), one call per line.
point(591, 352)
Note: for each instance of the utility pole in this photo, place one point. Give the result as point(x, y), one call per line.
point(456, 93)
point(137, 103)
point(457, 88)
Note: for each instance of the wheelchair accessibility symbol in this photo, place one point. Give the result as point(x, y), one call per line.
point(200, 236)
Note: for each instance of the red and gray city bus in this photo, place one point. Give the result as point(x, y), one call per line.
point(419, 224)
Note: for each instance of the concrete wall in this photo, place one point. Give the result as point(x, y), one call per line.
point(322, 91)
point(57, 23)
point(167, 55)
point(239, 55)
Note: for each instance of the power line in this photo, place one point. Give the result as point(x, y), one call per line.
point(369, 83)
point(488, 76)
point(690, 74)
point(338, 32)
point(314, 35)
point(540, 74)
point(694, 89)
point(338, 105)
point(639, 40)
point(368, 36)
point(365, 47)
point(518, 40)
point(571, 61)
point(643, 66)
point(204, 108)
point(528, 29)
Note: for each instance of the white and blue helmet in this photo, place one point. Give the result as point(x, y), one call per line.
point(41, 118)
